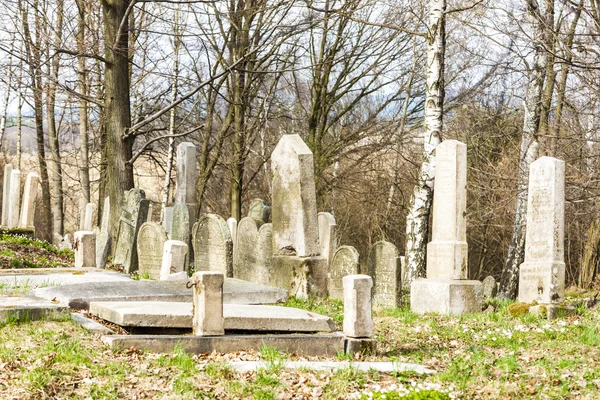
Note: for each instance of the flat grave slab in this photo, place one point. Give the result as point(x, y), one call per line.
point(159, 314)
point(79, 296)
point(27, 308)
point(312, 345)
point(381, 366)
point(32, 278)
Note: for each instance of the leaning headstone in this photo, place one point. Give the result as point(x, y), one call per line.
point(446, 289)
point(245, 262)
point(385, 269)
point(6, 193)
point(327, 236)
point(208, 303)
point(358, 320)
point(174, 256)
point(14, 202)
point(294, 213)
point(213, 248)
point(150, 247)
point(103, 239)
point(259, 210)
point(344, 262)
point(133, 215)
point(490, 288)
point(29, 201)
point(85, 249)
point(542, 275)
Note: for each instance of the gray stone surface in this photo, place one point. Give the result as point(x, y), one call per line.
point(448, 251)
point(150, 249)
point(264, 250)
point(294, 214)
point(363, 346)
point(207, 311)
point(167, 221)
point(302, 276)
point(29, 201)
point(327, 236)
point(542, 274)
point(385, 269)
point(173, 260)
point(446, 296)
point(344, 262)
point(85, 249)
point(236, 316)
point(90, 325)
point(310, 345)
point(80, 295)
point(133, 215)
point(358, 319)
point(246, 260)
point(87, 222)
point(27, 308)
point(552, 311)
point(14, 199)
point(381, 366)
point(259, 210)
point(30, 279)
point(490, 288)
point(185, 188)
point(180, 225)
point(212, 244)
point(6, 193)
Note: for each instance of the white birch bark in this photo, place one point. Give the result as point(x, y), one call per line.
point(417, 220)
point(8, 85)
point(529, 147)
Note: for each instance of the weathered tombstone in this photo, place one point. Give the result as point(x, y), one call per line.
point(168, 219)
point(264, 258)
point(173, 260)
point(344, 262)
point(385, 269)
point(358, 320)
point(14, 202)
point(133, 215)
point(213, 248)
point(490, 288)
point(295, 226)
point(446, 289)
point(208, 303)
point(245, 262)
point(150, 247)
point(103, 239)
point(88, 217)
point(6, 193)
point(542, 275)
point(259, 210)
point(180, 227)
point(85, 249)
point(29, 201)
point(327, 236)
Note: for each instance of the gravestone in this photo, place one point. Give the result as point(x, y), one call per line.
point(294, 213)
point(264, 259)
point(344, 262)
point(259, 210)
point(133, 215)
point(208, 303)
point(358, 320)
point(103, 239)
point(87, 222)
point(168, 219)
point(446, 289)
point(14, 201)
point(173, 260)
point(29, 201)
point(490, 288)
point(180, 227)
point(213, 248)
point(327, 236)
point(385, 269)
point(185, 184)
point(245, 262)
point(6, 193)
point(542, 274)
point(85, 249)
point(150, 247)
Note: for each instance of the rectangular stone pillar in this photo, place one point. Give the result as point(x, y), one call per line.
point(85, 249)
point(208, 303)
point(542, 275)
point(173, 261)
point(29, 201)
point(185, 187)
point(14, 202)
point(6, 193)
point(358, 320)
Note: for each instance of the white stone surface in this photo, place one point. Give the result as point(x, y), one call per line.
point(232, 224)
point(85, 249)
point(345, 261)
point(185, 188)
point(327, 235)
point(14, 201)
point(6, 193)
point(29, 201)
point(446, 296)
point(207, 317)
point(542, 274)
point(358, 319)
point(173, 260)
point(88, 217)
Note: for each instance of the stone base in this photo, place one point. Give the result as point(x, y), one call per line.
point(552, 311)
point(301, 276)
point(446, 296)
point(543, 282)
point(363, 346)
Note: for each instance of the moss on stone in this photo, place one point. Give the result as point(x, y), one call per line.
point(518, 309)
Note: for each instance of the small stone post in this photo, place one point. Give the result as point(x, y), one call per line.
point(358, 320)
point(208, 303)
point(85, 249)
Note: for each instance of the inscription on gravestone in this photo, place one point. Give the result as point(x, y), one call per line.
point(385, 269)
point(344, 262)
point(150, 247)
point(213, 248)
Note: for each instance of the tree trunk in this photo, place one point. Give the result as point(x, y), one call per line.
point(84, 163)
point(590, 260)
point(417, 220)
point(8, 86)
point(529, 149)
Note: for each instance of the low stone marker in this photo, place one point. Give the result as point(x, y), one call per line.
point(259, 210)
point(327, 236)
point(385, 269)
point(133, 215)
point(490, 288)
point(542, 275)
point(446, 289)
point(150, 248)
point(213, 248)
point(85, 249)
point(208, 304)
point(344, 262)
point(103, 239)
point(29, 201)
point(358, 319)
point(174, 256)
